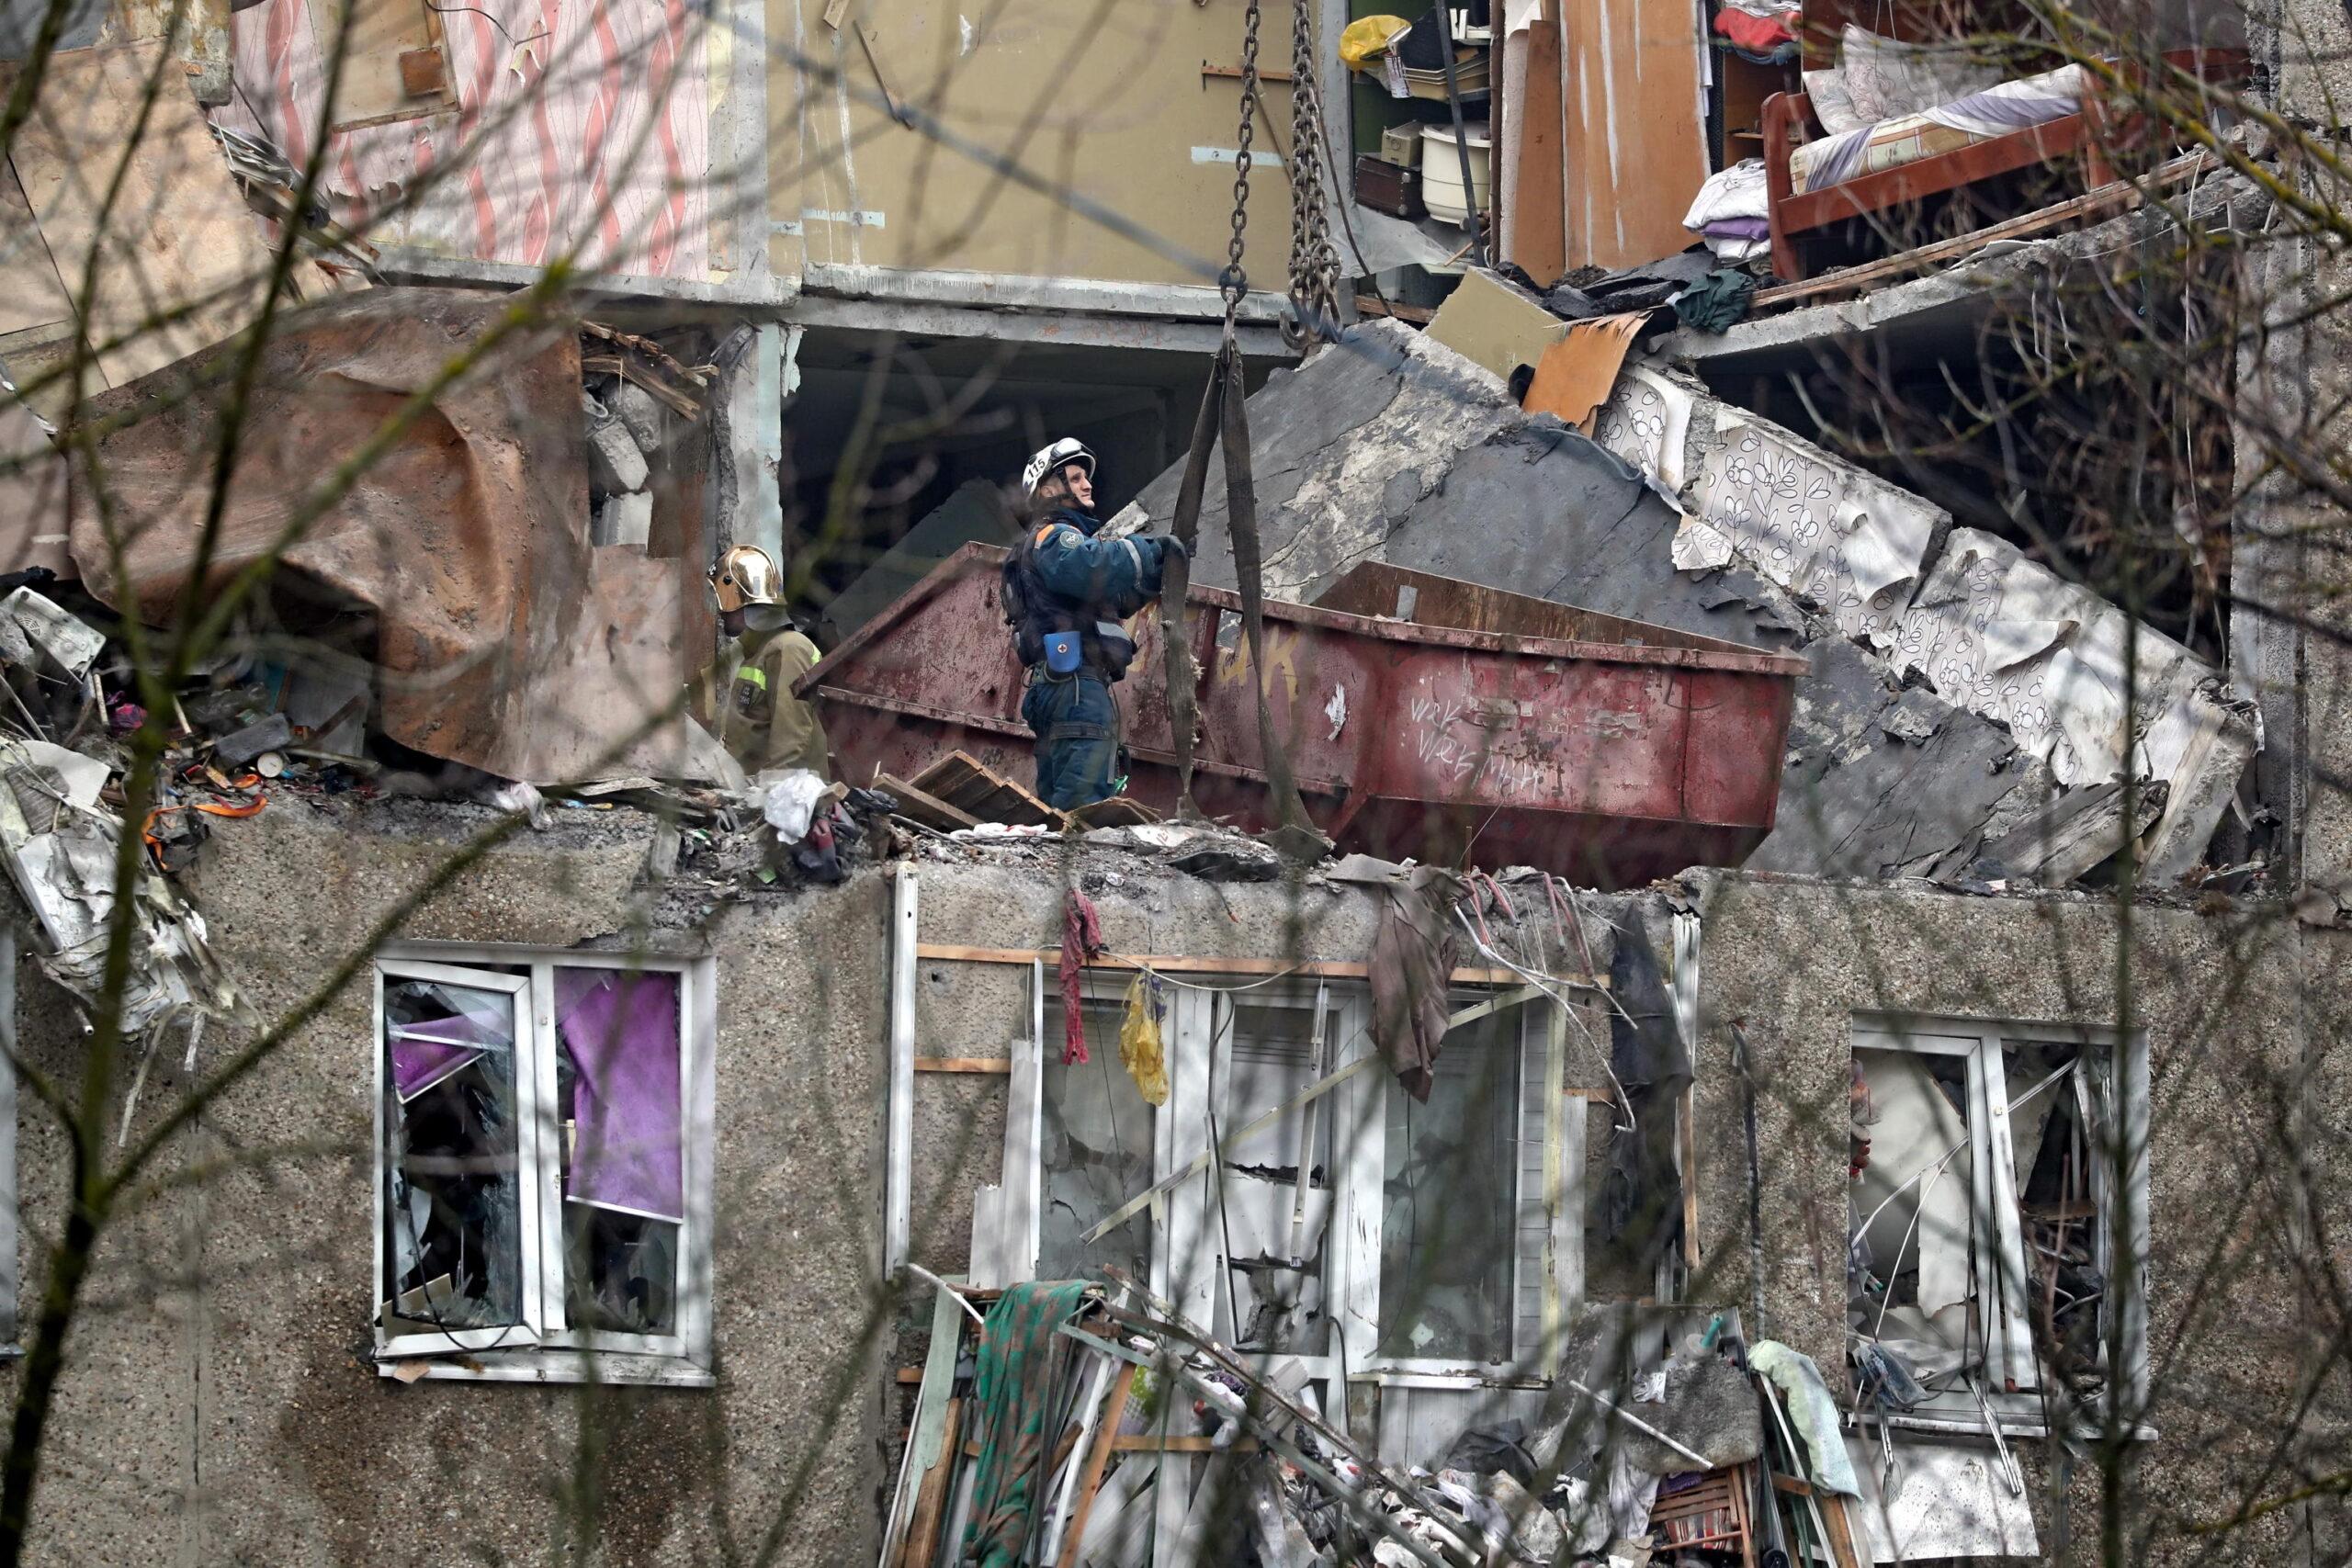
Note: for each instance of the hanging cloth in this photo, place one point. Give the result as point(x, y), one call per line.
point(1082, 939)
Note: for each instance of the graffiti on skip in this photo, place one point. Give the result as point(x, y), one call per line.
point(1432, 720)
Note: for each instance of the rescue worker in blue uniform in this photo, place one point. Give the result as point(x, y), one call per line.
point(1065, 593)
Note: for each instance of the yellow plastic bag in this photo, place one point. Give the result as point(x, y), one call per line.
point(1365, 39)
point(1139, 1042)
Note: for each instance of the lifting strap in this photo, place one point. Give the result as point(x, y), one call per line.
point(1223, 421)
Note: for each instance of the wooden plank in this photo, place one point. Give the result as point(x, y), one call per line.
point(965, 784)
point(1090, 1479)
point(922, 1537)
point(1179, 963)
point(1840, 1528)
point(962, 1064)
point(1153, 1443)
point(2104, 202)
point(927, 809)
point(182, 239)
point(1538, 238)
point(1373, 305)
point(1633, 150)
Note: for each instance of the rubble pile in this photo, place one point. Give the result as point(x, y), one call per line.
point(1720, 1454)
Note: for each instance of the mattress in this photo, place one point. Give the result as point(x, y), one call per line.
point(1980, 117)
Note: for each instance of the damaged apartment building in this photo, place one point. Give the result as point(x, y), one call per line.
point(1703, 959)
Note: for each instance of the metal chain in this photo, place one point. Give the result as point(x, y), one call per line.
point(1233, 282)
point(1314, 259)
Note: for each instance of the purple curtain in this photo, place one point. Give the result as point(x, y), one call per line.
point(622, 1033)
point(426, 1051)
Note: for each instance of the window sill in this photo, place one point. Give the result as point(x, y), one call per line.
point(553, 1367)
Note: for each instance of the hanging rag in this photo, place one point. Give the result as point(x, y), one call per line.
point(1647, 1054)
point(1411, 969)
point(1082, 939)
point(1139, 1046)
point(1811, 1411)
point(1023, 1361)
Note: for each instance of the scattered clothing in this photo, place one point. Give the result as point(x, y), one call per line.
point(1652, 1065)
point(1082, 939)
point(1811, 1411)
point(1732, 211)
point(1412, 967)
point(1012, 1390)
point(1718, 302)
point(1757, 35)
point(1141, 1050)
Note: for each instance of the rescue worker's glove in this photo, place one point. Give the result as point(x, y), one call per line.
point(1171, 544)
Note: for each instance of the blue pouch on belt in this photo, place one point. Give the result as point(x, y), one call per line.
point(1062, 652)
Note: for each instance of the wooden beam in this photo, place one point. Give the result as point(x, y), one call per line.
point(1373, 305)
point(1089, 1480)
point(922, 1537)
point(2104, 202)
point(1233, 73)
point(962, 1064)
point(1179, 963)
point(1153, 1443)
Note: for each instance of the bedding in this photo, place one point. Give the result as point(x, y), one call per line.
point(1996, 111)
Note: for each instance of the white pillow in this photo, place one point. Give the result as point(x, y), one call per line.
point(1833, 105)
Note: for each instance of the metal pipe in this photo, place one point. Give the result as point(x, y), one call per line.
point(1638, 1425)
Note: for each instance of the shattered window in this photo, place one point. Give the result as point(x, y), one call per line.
point(1979, 1262)
point(538, 1182)
point(1450, 1202)
point(1275, 1193)
point(453, 1214)
point(1097, 1152)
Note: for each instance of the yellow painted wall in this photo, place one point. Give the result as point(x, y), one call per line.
point(1104, 96)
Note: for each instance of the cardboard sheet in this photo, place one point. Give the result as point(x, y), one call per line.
point(1574, 377)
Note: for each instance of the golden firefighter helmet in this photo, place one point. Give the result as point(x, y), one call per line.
point(746, 575)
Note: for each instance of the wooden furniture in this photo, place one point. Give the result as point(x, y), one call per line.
point(1788, 124)
point(1710, 1515)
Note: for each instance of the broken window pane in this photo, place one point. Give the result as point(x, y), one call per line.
point(1275, 1230)
point(452, 1212)
point(1096, 1144)
point(1450, 1202)
point(618, 1102)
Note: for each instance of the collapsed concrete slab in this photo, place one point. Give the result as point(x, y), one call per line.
point(1694, 515)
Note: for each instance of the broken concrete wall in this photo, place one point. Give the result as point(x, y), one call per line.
point(221, 1406)
point(1390, 446)
point(2229, 1002)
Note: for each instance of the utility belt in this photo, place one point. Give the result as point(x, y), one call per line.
point(1104, 652)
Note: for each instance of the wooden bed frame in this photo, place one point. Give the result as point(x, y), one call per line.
point(1788, 123)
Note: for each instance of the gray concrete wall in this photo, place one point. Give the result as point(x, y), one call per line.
point(2240, 1016)
point(219, 1404)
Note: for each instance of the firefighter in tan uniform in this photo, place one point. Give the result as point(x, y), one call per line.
point(747, 690)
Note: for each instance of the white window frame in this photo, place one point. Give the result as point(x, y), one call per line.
point(1538, 1046)
point(537, 1351)
point(2116, 1068)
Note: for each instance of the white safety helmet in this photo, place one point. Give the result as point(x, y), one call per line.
point(746, 575)
point(1052, 460)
